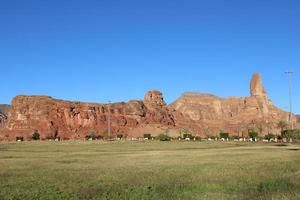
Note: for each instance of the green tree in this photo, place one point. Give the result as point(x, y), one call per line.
point(291, 134)
point(35, 135)
point(147, 136)
point(223, 134)
point(252, 134)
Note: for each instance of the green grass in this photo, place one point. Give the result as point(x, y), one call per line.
point(148, 170)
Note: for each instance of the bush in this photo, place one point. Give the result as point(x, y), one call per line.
point(279, 137)
point(120, 136)
point(224, 135)
point(91, 136)
point(291, 134)
point(18, 138)
point(198, 138)
point(147, 136)
point(269, 136)
point(35, 135)
point(252, 134)
point(235, 137)
point(164, 137)
point(188, 135)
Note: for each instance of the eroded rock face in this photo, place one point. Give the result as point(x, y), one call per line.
point(3, 114)
point(72, 120)
point(3, 118)
point(234, 114)
point(157, 109)
point(203, 114)
point(256, 87)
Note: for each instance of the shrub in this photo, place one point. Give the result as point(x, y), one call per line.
point(188, 135)
point(120, 136)
point(91, 135)
point(235, 137)
point(198, 138)
point(291, 134)
point(224, 135)
point(252, 134)
point(147, 136)
point(35, 135)
point(164, 137)
point(269, 136)
point(279, 137)
point(18, 138)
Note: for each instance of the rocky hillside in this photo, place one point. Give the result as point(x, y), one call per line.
point(202, 114)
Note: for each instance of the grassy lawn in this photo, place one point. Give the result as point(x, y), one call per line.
point(149, 170)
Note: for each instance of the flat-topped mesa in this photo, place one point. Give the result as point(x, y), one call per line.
point(256, 87)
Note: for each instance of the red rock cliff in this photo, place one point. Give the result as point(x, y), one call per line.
point(72, 120)
point(202, 114)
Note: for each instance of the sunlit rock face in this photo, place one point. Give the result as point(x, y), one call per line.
point(194, 111)
point(72, 120)
point(234, 114)
point(256, 87)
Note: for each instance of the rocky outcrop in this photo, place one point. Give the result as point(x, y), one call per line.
point(3, 112)
point(3, 119)
point(72, 120)
point(235, 115)
point(203, 114)
point(256, 87)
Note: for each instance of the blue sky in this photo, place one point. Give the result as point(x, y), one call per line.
point(97, 51)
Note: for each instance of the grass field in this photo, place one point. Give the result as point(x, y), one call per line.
point(149, 170)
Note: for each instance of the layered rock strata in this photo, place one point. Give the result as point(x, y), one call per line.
point(202, 114)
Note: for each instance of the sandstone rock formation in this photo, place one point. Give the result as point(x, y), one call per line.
point(298, 119)
point(235, 114)
point(256, 87)
point(3, 112)
point(72, 120)
point(3, 118)
point(202, 114)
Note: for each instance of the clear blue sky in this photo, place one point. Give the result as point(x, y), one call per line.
point(104, 50)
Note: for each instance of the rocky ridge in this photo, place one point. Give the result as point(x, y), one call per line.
point(202, 114)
